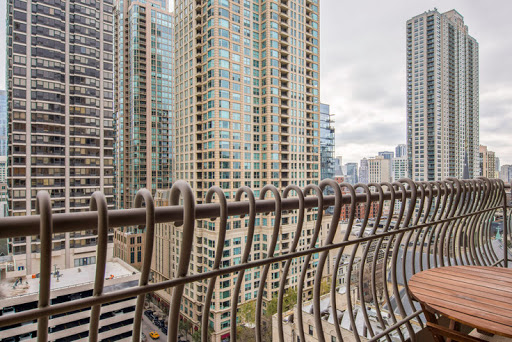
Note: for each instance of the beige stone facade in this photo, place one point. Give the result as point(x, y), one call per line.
point(247, 113)
point(129, 245)
point(378, 170)
point(487, 162)
point(60, 110)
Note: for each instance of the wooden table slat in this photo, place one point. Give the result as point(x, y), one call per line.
point(469, 287)
point(462, 280)
point(464, 272)
point(490, 306)
point(478, 296)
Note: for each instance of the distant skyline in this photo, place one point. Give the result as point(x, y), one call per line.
point(363, 70)
point(363, 65)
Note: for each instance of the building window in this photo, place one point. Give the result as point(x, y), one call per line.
point(85, 261)
point(311, 330)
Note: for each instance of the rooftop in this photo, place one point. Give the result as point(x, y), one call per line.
point(10, 288)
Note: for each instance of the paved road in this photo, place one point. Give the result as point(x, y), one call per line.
point(148, 326)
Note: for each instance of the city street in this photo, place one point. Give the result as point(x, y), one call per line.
point(148, 326)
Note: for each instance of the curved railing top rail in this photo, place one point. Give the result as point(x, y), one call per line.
point(19, 226)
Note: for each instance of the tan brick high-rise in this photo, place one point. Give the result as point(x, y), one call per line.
point(247, 113)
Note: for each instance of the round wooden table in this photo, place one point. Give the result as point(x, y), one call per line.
point(476, 296)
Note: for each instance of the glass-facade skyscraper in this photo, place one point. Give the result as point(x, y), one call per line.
point(326, 142)
point(401, 151)
point(144, 84)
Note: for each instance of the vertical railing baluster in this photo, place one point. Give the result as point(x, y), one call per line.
point(329, 239)
point(44, 209)
point(99, 204)
point(189, 219)
point(144, 195)
point(505, 225)
point(218, 255)
point(362, 262)
point(455, 193)
point(245, 256)
point(295, 242)
point(453, 226)
point(425, 232)
point(483, 254)
point(300, 287)
point(396, 249)
point(389, 246)
point(378, 251)
point(270, 254)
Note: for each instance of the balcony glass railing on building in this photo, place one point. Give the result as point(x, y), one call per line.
point(292, 266)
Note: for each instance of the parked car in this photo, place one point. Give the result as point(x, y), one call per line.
point(143, 337)
point(164, 330)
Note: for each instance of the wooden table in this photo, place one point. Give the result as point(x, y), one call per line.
point(476, 296)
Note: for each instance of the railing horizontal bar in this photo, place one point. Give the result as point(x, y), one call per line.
point(497, 262)
point(19, 226)
point(132, 292)
point(395, 326)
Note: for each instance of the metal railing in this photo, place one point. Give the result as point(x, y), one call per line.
point(403, 228)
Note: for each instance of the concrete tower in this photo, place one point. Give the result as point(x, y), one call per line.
point(442, 97)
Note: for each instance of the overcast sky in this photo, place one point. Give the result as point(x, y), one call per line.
point(363, 71)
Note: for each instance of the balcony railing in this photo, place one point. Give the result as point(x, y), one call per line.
point(377, 237)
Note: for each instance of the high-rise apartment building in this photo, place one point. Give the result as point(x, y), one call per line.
point(352, 175)
point(338, 166)
point(60, 116)
point(247, 90)
point(487, 162)
point(506, 173)
point(387, 155)
point(326, 143)
point(144, 88)
point(3, 123)
point(3, 161)
point(442, 97)
point(400, 150)
point(399, 168)
point(364, 176)
point(379, 170)
point(247, 113)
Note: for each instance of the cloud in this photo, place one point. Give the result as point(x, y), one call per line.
point(363, 71)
